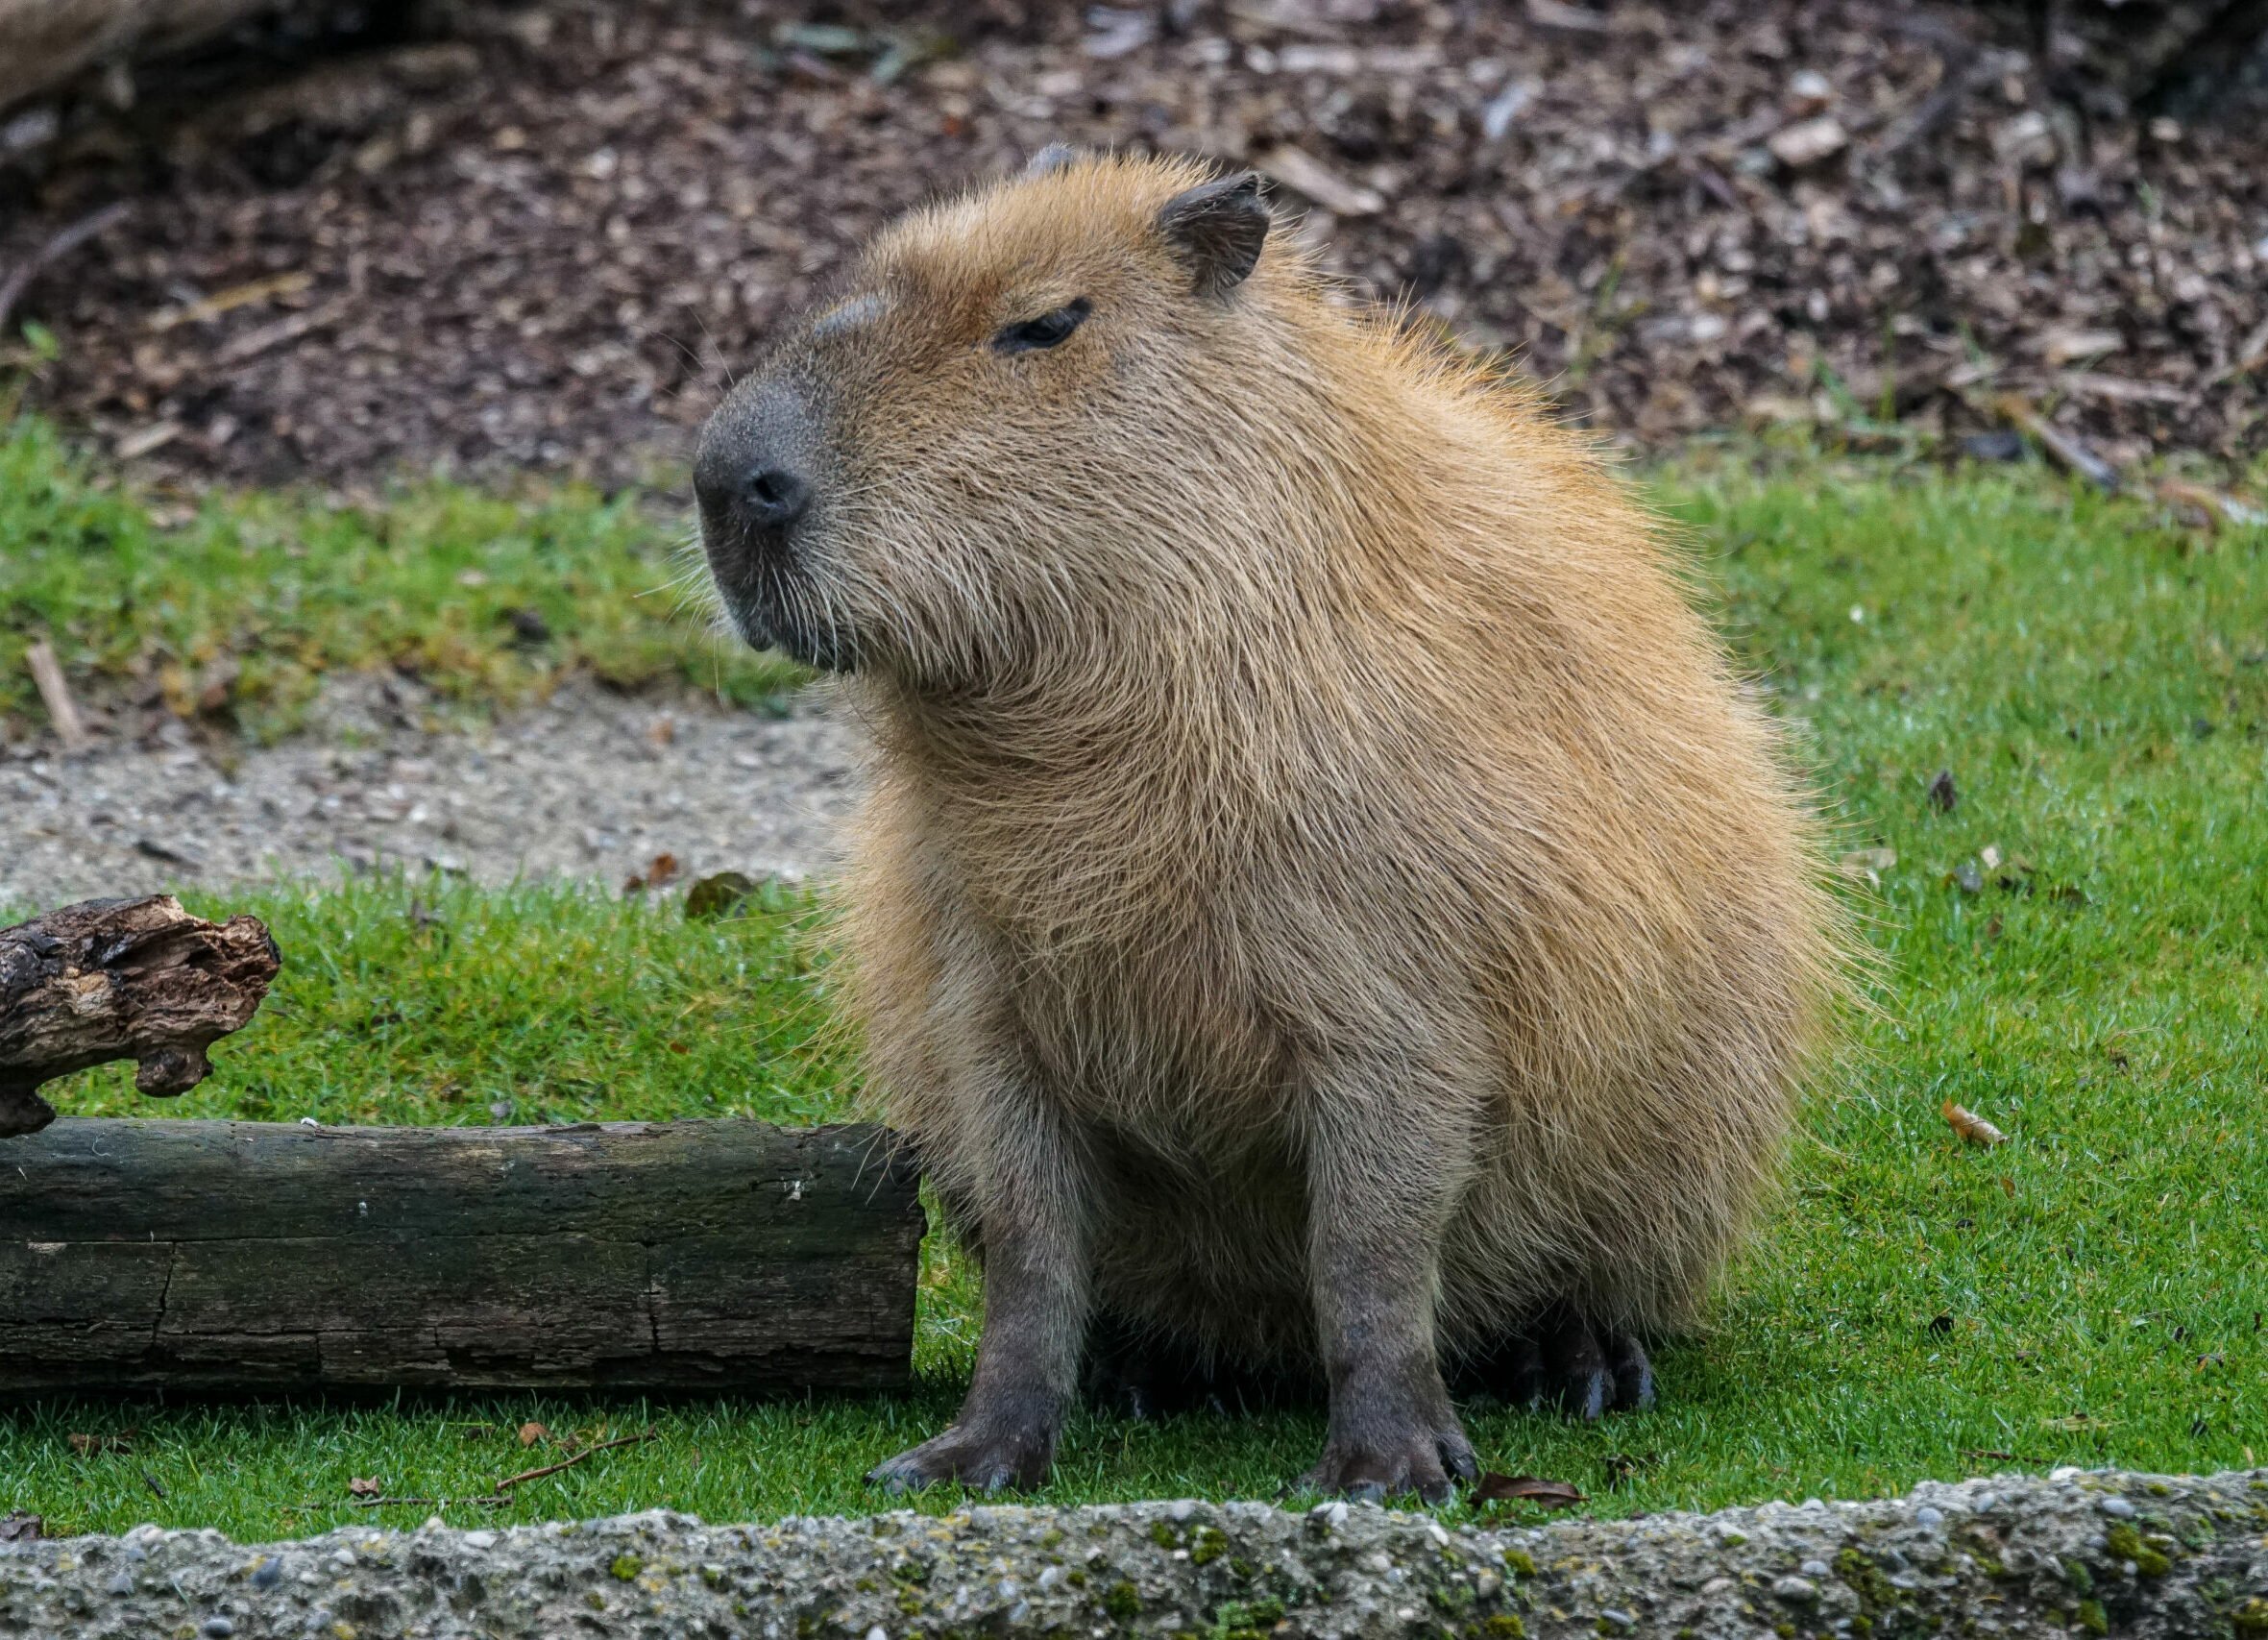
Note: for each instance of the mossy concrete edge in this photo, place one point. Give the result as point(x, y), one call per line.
point(2071, 1554)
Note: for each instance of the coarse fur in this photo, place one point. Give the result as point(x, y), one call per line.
point(1312, 831)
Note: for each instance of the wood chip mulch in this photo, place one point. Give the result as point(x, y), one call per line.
point(542, 236)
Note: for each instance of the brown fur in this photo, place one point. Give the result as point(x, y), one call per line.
point(1312, 829)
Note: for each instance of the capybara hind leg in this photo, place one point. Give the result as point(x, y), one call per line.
point(1563, 1360)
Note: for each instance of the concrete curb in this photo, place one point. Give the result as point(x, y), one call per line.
point(2075, 1553)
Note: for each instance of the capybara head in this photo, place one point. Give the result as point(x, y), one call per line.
point(1024, 415)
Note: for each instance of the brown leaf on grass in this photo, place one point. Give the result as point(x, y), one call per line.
point(1971, 1126)
point(21, 1527)
point(1497, 1489)
point(718, 896)
point(2218, 507)
point(661, 872)
point(2008, 1186)
point(364, 1486)
point(86, 1445)
point(530, 1433)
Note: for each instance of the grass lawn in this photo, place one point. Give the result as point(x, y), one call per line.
point(235, 608)
point(2091, 1292)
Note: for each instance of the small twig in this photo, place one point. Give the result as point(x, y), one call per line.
point(48, 673)
point(254, 343)
point(501, 1493)
point(62, 244)
point(504, 1485)
point(1953, 89)
point(485, 1502)
point(2065, 449)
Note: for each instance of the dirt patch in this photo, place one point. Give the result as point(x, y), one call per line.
point(587, 785)
point(539, 240)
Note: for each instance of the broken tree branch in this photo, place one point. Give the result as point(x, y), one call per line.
point(62, 244)
point(107, 979)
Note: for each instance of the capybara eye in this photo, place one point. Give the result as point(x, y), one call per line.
point(1044, 331)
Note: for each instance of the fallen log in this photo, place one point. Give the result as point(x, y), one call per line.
point(230, 1257)
point(107, 979)
point(2151, 1556)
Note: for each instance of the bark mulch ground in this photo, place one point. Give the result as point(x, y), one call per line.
point(537, 236)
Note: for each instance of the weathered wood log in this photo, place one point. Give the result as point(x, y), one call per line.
point(2140, 1557)
point(225, 1257)
point(107, 979)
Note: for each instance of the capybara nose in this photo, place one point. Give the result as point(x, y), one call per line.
point(774, 496)
point(750, 495)
point(759, 469)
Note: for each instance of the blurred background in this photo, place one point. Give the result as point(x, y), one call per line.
point(265, 242)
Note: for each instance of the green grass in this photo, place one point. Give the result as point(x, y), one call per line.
point(2091, 1292)
point(236, 608)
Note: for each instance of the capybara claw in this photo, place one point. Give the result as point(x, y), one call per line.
point(1429, 1462)
point(980, 1463)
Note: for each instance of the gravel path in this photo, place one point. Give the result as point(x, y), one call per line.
point(587, 785)
point(2146, 1557)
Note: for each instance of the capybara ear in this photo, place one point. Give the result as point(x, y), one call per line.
point(1053, 158)
point(1217, 228)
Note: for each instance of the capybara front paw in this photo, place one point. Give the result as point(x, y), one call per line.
point(1382, 1462)
point(982, 1460)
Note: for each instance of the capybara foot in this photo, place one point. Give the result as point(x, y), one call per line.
point(983, 1460)
point(1384, 1459)
point(1585, 1369)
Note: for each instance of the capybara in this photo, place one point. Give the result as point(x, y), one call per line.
point(1326, 907)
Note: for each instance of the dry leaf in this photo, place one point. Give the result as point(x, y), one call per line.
point(1528, 1489)
point(1971, 1126)
point(661, 872)
point(530, 1433)
point(84, 1445)
point(363, 1486)
point(719, 895)
point(2218, 505)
